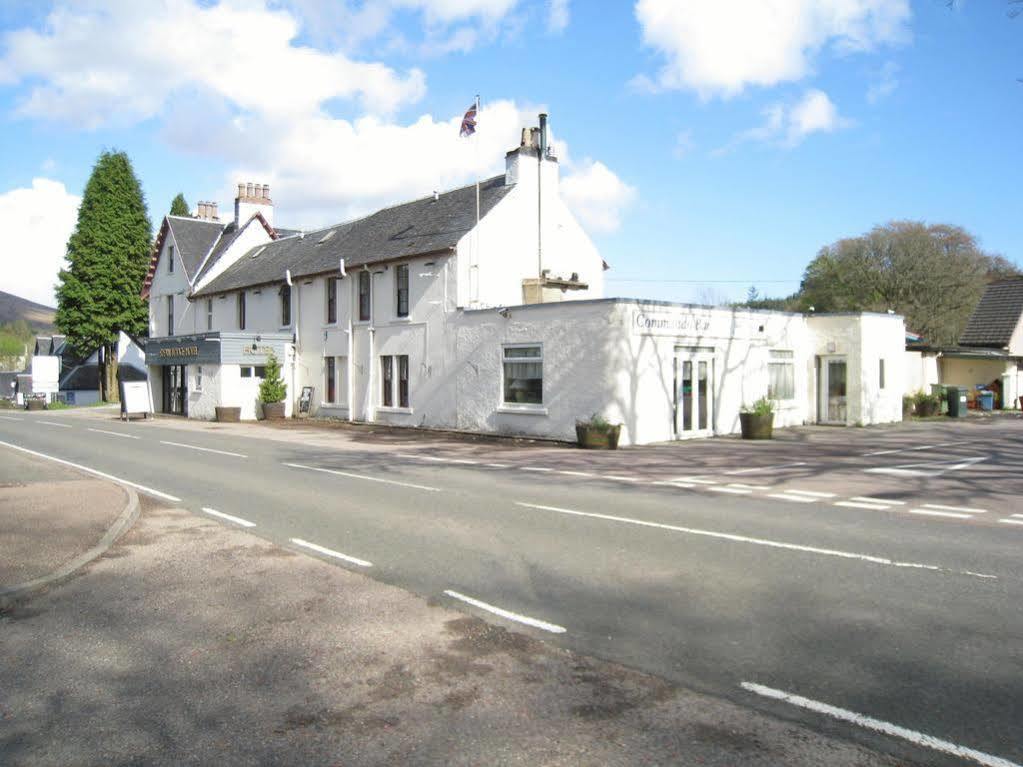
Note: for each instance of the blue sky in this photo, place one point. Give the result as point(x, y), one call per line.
point(706, 146)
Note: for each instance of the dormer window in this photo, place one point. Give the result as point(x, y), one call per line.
point(170, 259)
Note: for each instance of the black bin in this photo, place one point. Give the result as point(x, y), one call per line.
point(956, 401)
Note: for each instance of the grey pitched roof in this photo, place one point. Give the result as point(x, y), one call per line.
point(194, 238)
point(426, 225)
point(996, 316)
point(227, 237)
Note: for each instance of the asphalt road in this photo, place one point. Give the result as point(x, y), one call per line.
point(912, 621)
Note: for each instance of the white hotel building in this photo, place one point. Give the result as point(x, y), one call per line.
point(418, 315)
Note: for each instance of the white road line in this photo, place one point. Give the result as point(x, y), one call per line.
point(697, 479)
point(112, 433)
point(1011, 521)
point(953, 508)
point(1018, 516)
point(577, 473)
point(795, 498)
point(912, 449)
point(203, 449)
point(551, 627)
point(766, 468)
point(8, 418)
point(497, 465)
point(331, 553)
point(933, 513)
point(930, 469)
point(745, 539)
point(432, 458)
point(464, 460)
point(685, 485)
point(869, 499)
point(363, 476)
point(228, 517)
point(863, 505)
point(877, 725)
point(811, 493)
point(53, 423)
point(620, 478)
point(732, 490)
point(143, 488)
point(747, 487)
point(534, 468)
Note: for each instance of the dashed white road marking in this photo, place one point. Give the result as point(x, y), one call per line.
point(465, 461)
point(363, 476)
point(203, 449)
point(794, 498)
point(810, 493)
point(136, 485)
point(746, 539)
point(54, 423)
point(112, 433)
point(229, 517)
point(1008, 521)
point(8, 418)
point(551, 627)
point(863, 505)
point(747, 487)
point(535, 468)
point(732, 490)
point(685, 485)
point(963, 509)
point(497, 465)
point(912, 449)
point(877, 725)
point(620, 478)
point(697, 479)
point(577, 473)
point(766, 468)
point(331, 553)
point(934, 513)
point(1017, 516)
point(930, 469)
point(869, 499)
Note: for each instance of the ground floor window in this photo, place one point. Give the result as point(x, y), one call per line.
point(198, 378)
point(253, 371)
point(394, 383)
point(880, 374)
point(781, 372)
point(335, 372)
point(523, 374)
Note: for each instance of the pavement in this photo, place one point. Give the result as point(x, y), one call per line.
point(859, 620)
point(193, 642)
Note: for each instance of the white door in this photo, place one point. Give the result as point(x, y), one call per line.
point(832, 404)
point(694, 394)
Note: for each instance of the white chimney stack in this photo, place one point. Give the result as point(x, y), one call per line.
point(253, 198)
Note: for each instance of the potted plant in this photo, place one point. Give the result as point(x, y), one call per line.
point(926, 405)
point(757, 420)
point(597, 433)
point(227, 414)
point(272, 390)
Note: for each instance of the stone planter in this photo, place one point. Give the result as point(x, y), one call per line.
point(756, 426)
point(229, 414)
point(273, 411)
point(35, 404)
point(598, 439)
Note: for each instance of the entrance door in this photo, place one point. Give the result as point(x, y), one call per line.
point(694, 394)
point(832, 407)
point(174, 389)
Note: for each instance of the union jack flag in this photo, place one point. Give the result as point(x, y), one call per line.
point(468, 122)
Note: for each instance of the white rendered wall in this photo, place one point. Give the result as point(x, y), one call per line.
point(202, 404)
point(921, 370)
point(883, 337)
point(174, 284)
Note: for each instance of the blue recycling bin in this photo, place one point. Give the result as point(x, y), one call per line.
point(986, 399)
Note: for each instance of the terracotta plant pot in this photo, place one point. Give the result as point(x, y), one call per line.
point(755, 426)
point(36, 404)
point(598, 439)
point(273, 411)
point(229, 414)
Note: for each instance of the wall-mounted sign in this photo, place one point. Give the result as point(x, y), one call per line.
point(183, 350)
point(262, 351)
point(670, 324)
point(306, 399)
point(180, 351)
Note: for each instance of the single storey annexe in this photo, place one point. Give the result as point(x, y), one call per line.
point(433, 314)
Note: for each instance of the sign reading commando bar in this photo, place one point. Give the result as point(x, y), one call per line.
point(669, 323)
point(184, 350)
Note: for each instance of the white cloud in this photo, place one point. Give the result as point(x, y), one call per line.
point(886, 83)
point(36, 222)
point(557, 16)
point(719, 47)
point(788, 126)
point(597, 196)
point(114, 57)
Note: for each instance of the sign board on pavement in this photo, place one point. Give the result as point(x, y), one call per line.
point(136, 398)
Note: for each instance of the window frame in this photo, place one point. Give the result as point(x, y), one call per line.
point(401, 274)
point(170, 315)
point(331, 300)
point(781, 358)
point(387, 380)
point(365, 296)
point(506, 360)
point(402, 381)
point(198, 378)
point(241, 310)
point(330, 380)
point(209, 314)
point(285, 297)
point(170, 259)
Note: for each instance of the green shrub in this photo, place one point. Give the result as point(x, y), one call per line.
point(762, 406)
point(57, 405)
point(7, 404)
point(597, 422)
point(272, 389)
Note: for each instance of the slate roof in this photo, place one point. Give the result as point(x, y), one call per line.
point(194, 238)
point(996, 316)
point(422, 226)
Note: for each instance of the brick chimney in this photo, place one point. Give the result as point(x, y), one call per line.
point(253, 198)
point(207, 211)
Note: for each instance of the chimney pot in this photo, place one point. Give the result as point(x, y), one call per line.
point(266, 191)
point(211, 208)
point(241, 190)
point(249, 191)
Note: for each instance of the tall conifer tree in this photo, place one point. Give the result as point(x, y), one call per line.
point(108, 256)
point(179, 206)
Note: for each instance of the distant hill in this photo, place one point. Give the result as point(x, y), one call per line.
point(39, 317)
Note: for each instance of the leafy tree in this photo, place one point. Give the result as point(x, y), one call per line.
point(272, 388)
point(108, 256)
point(931, 274)
point(14, 337)
point(179, 207)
